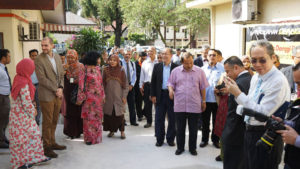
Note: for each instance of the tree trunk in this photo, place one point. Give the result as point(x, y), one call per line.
point(118, 30)
point(157, 28)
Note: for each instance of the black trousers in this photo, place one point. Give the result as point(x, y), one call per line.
point(211, 109)
point(181, 118)
point(257, 157)
point(165, 106)
point(130, 103)
point(4, 115)
point(138, 102)
point(148, 103)
point(233, 156)
point(38, 107)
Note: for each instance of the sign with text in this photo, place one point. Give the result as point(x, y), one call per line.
point(283, 38)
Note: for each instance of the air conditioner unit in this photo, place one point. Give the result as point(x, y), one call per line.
point(244, 11)
point(21, 32)
point(34, 31)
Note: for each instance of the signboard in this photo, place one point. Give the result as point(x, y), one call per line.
point(283, 38)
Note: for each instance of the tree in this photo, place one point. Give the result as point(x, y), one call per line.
point(88, 40)
point(196, 21)
point(72, 5)
point(149, 14)
point(138, 38)
point(109, 12)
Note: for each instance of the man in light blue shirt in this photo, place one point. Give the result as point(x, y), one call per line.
point(213, 74)
point(5, 88)
point(33, 54)
point(130, 72)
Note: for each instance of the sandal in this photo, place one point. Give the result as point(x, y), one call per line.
point(110, 134)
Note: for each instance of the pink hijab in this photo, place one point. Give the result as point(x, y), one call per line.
point(25, 68)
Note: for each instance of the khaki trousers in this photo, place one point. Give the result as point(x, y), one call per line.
point(50, 111)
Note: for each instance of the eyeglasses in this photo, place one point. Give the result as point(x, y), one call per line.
point(261, 61)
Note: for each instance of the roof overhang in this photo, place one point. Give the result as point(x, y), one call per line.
point(56, 16)
point(205, 3)
point(73, 19)
point(29, 4)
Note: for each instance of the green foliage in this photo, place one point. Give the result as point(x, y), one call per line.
point(196, 20)
point(50, 35)
point(72, 5)
point(88, 40)
point(138, 38)
point(107, 11)
point(111, 40)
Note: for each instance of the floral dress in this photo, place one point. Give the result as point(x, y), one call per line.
point(92, 107)
point(25, 140)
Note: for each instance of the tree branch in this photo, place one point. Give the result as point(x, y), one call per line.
point(124, 29)
point(112, 26)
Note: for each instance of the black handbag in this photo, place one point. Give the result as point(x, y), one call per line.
point(74, 92)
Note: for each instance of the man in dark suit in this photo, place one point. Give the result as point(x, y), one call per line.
point(288, 71)
point(202, 59)
point(233, 133)
point(138, 96)
point(160, 97)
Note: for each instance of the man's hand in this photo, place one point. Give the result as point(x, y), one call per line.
point(216, 91)
point(153, 99)
point(171, 95)
point(203, 106)
point(142, 91)
point(130, 87)
point(289, 135)
point(224, 91)
point(59, 92)
point(124, 100)
point(232, 87)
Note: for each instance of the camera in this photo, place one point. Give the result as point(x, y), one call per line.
point(219, 87)
point(268, 138)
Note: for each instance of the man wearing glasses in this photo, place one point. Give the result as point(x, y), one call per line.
point(269, 90)
point(288, 71)
point(213, 74)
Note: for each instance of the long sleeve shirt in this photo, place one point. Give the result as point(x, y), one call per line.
point(292, 124)
point(132, 71)
point(213, 75)
point(146, 71)
point(273, 92)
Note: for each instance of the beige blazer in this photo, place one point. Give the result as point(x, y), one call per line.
point(49, 81)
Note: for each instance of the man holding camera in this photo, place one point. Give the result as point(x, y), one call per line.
point(269, 90)
point(291, 136)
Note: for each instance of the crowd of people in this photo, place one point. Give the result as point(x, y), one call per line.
point(93, 90)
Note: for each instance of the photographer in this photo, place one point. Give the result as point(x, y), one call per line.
point(269, 90)
point(291, 136)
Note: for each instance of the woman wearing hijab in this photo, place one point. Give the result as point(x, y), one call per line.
point(91, 94)
point(26, 148)
point(116, 90)
point(72, 117)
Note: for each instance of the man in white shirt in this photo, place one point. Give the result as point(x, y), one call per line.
point(269, 90)
point(176, 57)
point(145, 80)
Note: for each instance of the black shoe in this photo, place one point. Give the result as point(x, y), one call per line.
point(4, 145)
point(135, 124)
point(178, 152)
point(125, 124)
point(140, 119)
point(158, 144)
point(193, 152)
point(203, 144)
point(88, 143)
point(217, 145)
point(171, 144)
point(218, 158)
point(147, 125)
point(25, 166)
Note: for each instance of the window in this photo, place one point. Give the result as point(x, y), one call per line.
point(34, 31)
point(1, 41)
point(167, 30)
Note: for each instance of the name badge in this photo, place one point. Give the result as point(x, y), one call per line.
point(72, 80)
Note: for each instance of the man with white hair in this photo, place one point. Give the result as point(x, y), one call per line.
point(202, 59)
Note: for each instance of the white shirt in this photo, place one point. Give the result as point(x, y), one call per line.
point(146, 71)
point(275, 89)
point(53, 63)
point(4, 81)
point(176, 59)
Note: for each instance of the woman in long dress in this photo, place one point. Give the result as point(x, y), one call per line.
point(91, 94)
point(116, 90)
point(73, 126)
point(26, 148)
